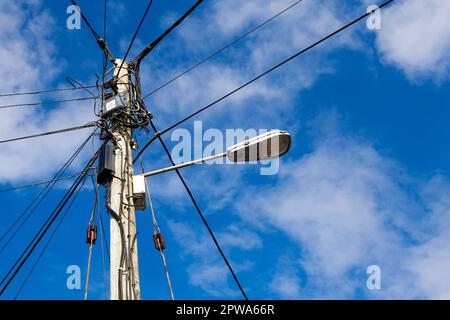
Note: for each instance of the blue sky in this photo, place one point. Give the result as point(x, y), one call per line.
point(365, 183)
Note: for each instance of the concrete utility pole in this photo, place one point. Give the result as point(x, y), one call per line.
point(124, 254)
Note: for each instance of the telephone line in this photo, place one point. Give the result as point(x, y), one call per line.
point(40, 183)
point(200, 213)
point(49, 133)
point(40, 197)
point(8, 278)
point(222, 49)
point(45, 91)
point(135, 34)
point(33, 104)
point(152, 45)
point(101, 42)
point(296, 55)
point(27, 278)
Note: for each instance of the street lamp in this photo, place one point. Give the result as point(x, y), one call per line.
point(270, 145)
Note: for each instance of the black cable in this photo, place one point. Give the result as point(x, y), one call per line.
point(135, 35)
point(151, 46)
point(44, 91)
point(78, 85)
point(88, 125)
point(40, 183)
point(94, 33)
point(41, 196)
point(49, 241)
point(205, 222)
point(105, 62)
point(101, 42)
point(274, 68)
point(221, 50)
point(45, 103)
point(7, 279)
point(104, 56)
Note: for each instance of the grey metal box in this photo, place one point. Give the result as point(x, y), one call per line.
point(105, 167)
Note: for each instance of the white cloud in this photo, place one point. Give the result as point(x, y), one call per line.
point(285, 282)
point(346, 207)
point(198, 37)
point(285, 285)
point(342, 203)
point(28, 60)
point(415, 38)
point(429, 263)
point(331, 203)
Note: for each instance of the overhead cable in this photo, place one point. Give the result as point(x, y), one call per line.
point(199, 211)
point(101, 42)
point(34, 104)
point(296, 55)
point(26, 93)
point(27, 278)
point(49, 133)
point(152, 45)
point(17, 266)
point(135, 35)
point(40, 183)
point(222, 49)
point(34, 204)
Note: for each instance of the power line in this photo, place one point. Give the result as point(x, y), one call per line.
point(45, 91)
point(45, 103)
point(49, 241)
point(13, 271)
point(152, 45)
point(202, 217)
point(104, 241)
point(104, 56)
point(135, 35)
point(224, 97)
point(94, 33)
point(222, 49)
point(41, 196)
point(101, 42)
point(78, 85)
point(40, 183)
point(274, 67)
point(88, 125)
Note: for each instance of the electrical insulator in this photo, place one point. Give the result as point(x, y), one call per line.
point(158, 239)
point(91, 234)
